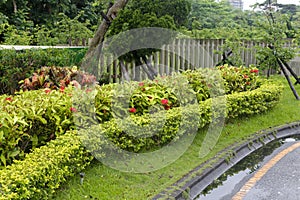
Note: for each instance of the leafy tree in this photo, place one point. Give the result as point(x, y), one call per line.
point(276, 55)
point(138, 14)
point(34, 18)
point(209, 14)
point(145, 13)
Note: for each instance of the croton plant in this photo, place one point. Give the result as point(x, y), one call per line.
point(57, 78)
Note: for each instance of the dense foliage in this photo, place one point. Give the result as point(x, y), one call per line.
point(31, 119)
point(44, 170)
point(18, 65)
point(49, 23)
point(27, 21)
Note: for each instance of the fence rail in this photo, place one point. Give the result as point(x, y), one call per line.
point(184, 54)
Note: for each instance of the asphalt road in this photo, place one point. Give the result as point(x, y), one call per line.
point(281, 182)
point(276, 178)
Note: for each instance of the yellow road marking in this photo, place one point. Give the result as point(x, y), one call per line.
point(260, 173)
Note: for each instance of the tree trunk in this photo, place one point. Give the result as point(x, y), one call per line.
point(151, 69)
point(103, 28)
point(291, 71)
point(144, 67)
point(15, 6)
point(288, 78)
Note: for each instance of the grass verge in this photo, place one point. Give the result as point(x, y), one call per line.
point(102, 182)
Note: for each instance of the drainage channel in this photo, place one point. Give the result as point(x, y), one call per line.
point(222, 187)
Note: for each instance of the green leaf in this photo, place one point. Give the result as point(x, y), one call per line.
point(3, 159)
point(35, 140)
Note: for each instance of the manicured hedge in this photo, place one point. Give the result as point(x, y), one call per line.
point(30, 119)
point(47, 167)
point(201, 81)
point(44, 170)
point(237, 104)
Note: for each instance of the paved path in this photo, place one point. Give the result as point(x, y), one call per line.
point(277, 178)
point(21, 47)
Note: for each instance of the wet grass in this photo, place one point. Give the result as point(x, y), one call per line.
point(102, 182)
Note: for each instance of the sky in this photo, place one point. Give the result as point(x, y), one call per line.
point(247, 3)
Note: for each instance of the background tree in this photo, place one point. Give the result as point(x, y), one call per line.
point(138, 14)
point(276, 55)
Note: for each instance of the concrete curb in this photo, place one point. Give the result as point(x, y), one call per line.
point(195, 184)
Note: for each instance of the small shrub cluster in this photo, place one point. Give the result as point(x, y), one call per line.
point(44, 170)
point(238, 104)
point(147, 94)
point(144, 97)
point(30, 119)
point(56, 78)
point(239, 79)
point(18, 65)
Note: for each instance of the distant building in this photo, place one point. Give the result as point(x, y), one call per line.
point(236, 3)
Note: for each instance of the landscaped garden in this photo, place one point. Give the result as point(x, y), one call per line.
point(42, 154)
point(73, 128)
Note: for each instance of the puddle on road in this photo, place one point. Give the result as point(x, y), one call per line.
point(226, 183)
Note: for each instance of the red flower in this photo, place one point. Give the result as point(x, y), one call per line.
point(141, 84)
point(164, 101)
point(8, 99)
point(245, 76)
point(248, 83)
point(47, 90)
point(132, 110)
point(73, 109)
point(62, 88)
point(254, 71)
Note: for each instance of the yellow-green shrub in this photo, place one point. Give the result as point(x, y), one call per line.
point(30, 119)
point(44, 170)
point(237, 104)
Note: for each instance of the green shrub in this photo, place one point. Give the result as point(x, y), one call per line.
point(56, 78)
point(18, 65)
point(239, 79)
point(145, 97)
point(44, 170)
point(253, 102)
point(30, 119)
point(147, 94)
point(133, 139)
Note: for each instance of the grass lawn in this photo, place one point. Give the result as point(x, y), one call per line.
point(102, 182)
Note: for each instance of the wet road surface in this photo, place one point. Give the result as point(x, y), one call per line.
point(277, 177)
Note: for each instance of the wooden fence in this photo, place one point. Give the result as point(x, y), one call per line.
point(184, 54)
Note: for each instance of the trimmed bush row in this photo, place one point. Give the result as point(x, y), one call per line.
point(30, 119)
point(237, 104)
point(201, 81)
point(44, 170)
point(47, 167)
